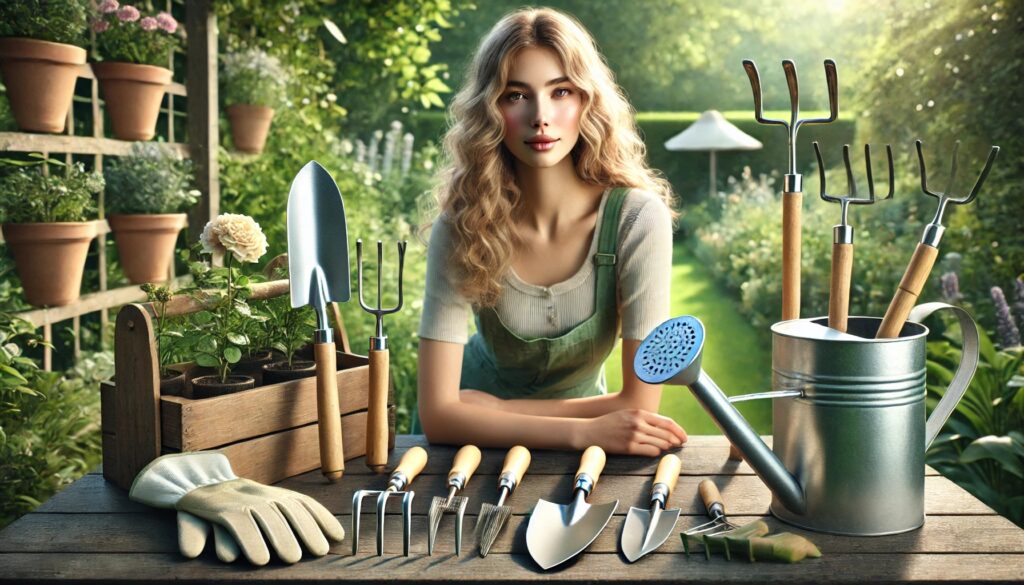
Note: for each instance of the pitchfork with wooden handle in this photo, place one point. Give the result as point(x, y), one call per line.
point(792, 191)
point(928, 249)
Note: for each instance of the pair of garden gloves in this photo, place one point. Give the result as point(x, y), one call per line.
point(245, 515)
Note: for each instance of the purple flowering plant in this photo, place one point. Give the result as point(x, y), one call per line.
point(124, 34)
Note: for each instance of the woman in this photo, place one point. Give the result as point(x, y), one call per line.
point(553, 232)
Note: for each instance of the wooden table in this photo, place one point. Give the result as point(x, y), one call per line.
point(91, 531)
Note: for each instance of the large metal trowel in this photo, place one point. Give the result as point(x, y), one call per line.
point(318, 274)
point(557, 533)
point(646, 530)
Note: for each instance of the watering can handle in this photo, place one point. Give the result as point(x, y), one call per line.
point(964, 371)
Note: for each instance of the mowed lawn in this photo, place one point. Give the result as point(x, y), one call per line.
point(736, 356)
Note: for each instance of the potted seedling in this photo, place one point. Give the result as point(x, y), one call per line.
point(172, 381)
point(134, 49)
point(146, 194)
point(216, 337)
point(291, 329)
point(253, 84)
point(40, 54)
point(48, 227)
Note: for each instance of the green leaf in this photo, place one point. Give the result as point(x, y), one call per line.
point(206, 360)
point(232, 354)
point(437, 85)
point(1002, 449)
point(421, 55)
point(202, 317)
point(238, 339)
point(335, 31)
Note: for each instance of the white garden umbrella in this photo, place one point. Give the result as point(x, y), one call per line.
point(712, 132)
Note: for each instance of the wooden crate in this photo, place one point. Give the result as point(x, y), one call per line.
point(269, 433)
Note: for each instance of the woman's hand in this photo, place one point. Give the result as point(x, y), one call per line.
point(480, 398)
point(633, 432)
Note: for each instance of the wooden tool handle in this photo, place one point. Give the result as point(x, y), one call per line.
point(339, 328)
point(592, 463)
point(906, 295)
point(839, 290)
point(668, 472)
point(791, 222)
point(377, 412)
point(516, 462)
point(332, 454)
point(412, 463)
point(710, 495)
point(466, 462)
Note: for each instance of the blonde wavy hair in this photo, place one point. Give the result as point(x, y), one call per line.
point(477, 192)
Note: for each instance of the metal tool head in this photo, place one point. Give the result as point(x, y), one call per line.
point(671, 353)
point(489, 523)
point(380, 311)
point(645, 530)
point(382, 499)
point(438, 507)
point(556, 533)
point(318, 270)
point(851, 197)
point(793, 126)
point(945, 197)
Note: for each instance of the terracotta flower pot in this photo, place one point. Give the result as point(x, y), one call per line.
point(50, 258)
point(276, 372)
point(145, 243)
point(209, 386)
point(133, 94)
point(40, 79)
point(249, 126)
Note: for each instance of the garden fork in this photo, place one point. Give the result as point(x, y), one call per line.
point(411, 464)
point(792, 191)
point(842, 234)
point(928, 249)
point(377, 407)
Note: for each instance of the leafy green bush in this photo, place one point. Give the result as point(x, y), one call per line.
point(253, 77)
point(58, 21)
point(28, 196)
point(152, 180)
point(983, 448)
point(124, 35)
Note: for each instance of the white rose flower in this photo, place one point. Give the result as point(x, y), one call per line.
point(235, 233)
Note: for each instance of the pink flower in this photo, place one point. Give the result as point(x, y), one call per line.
point(100, 26)
point(108, 6)
point(148, 24)
point(166, 22)
point(128, 14)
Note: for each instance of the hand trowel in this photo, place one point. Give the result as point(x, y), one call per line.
point(556, 533)
point(318, 275)
point(646, 530)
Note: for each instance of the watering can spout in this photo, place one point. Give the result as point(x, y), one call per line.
point(766, 465)
point(671, 354)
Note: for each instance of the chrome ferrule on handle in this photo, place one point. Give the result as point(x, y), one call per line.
point(584, 482)
point(378, 343)
point(659, 495)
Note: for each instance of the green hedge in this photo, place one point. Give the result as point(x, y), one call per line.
point(688, 171)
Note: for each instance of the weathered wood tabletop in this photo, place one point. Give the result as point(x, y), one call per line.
point(91, 531)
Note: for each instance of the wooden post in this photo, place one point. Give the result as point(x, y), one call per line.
point(203, 134)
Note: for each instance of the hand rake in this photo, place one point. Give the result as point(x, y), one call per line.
point(408, 468)
point(465, 464)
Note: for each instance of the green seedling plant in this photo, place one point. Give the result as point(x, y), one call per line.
point(290, 328)
point(29, 195)
point(154, 179)
point(165, 336)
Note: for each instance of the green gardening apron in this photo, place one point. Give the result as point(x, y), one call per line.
point(499, 362)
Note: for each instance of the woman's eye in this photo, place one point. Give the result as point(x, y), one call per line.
point(562, 92)
point(515, 96)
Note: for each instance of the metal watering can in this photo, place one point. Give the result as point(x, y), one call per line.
point(849, 419)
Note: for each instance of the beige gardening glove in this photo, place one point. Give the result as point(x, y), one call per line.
point(245, 515)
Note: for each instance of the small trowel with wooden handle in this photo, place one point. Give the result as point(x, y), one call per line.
point(318, 274)
point(646, 530)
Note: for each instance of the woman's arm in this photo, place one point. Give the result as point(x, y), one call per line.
point(446, 418)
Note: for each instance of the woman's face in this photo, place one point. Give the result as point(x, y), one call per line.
point(541, 108)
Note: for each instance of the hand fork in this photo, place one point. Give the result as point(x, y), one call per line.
point(465, 464)
point(842, 234)
point(928, 249)
point(792, 191)
point(377, 407)
point(408, 468)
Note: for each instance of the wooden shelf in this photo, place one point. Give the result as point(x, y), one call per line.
point(22, 142)
point(90, 303)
